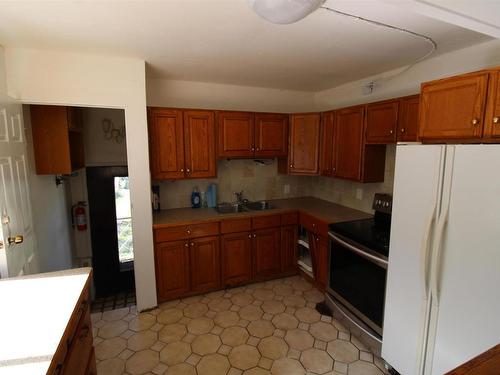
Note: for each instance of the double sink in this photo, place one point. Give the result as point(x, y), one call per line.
point(231, 208)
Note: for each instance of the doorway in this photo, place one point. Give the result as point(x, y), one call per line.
point(111, 231)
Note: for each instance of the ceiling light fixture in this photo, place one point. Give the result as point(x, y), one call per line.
point(284, 11)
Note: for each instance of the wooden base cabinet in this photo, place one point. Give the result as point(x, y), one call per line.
point(172, 269)
point(236, 258)
point(205, 264)
point(319, 251)
point(289, 236)
point(267, 252)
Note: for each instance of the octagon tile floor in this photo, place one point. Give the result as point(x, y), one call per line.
point(264, 328)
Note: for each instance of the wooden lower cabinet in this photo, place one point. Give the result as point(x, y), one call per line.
point(289, 236)
point(319, 252)
point(205, 264)
point(172, 269)
point(236, 256)
point(267, 252)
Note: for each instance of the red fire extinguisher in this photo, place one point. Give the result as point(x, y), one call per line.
point(80, 217)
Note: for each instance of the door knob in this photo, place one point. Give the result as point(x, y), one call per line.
point(496, 120)
point(15, 240)
point(475, 121)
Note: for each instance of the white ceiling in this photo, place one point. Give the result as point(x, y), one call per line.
point(223, 41)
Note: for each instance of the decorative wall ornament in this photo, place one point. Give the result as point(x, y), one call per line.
point(112, 132)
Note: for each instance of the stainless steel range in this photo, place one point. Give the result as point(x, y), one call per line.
point(357, 274)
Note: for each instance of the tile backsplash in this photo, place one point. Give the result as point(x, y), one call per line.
point(261, 181)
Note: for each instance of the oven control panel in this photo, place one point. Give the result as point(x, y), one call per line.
point(382, 203)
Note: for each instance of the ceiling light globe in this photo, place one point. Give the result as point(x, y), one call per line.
point(284, 11)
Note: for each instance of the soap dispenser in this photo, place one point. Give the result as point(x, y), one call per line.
point(195, 198)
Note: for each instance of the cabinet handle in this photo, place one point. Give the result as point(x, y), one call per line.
point(475, 121)
point(192, 243)
point(403, 130)
point(291, 165)
point(182, 169)
point(391, 131)
point(249, 236)
point(314, 225)
point(254, 235)
point(258, 149)
point(186, 245)
point(188, 231)
point(188, 171)
point(496, 120)
point(253, 148)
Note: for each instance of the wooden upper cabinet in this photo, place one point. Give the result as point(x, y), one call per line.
point(326, 160)
point(271, 134)
point(204, 264)
point(381, 122)
point(199, 143)
point(235, 134)
point(57, 139)
point(303, 157)
point(182, 143)
point(453, 108)
point(349, 142)
point(408, 119)
point(492, 118)
point(166, 138)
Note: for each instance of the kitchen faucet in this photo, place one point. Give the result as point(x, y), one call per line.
point(239, 197)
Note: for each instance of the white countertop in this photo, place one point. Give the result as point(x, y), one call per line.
point(34, 312)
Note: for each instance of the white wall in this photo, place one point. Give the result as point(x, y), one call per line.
point(100, 151)
point(51, 213)
point(50, 77)
point(186, 94)
point(462, 61)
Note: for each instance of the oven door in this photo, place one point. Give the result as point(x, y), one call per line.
point(357, 278)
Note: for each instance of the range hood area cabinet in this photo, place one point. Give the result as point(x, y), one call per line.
point(182, 143)
point(251, 135)
point(57, 139)
point(463, 108)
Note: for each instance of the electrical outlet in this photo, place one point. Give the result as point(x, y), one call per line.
point(286, 189)
point(359, 193)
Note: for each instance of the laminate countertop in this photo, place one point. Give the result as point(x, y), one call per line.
point(34, 313)
point(319, 208)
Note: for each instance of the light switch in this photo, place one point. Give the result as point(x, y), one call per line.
point(286, 189)
point(359, 193)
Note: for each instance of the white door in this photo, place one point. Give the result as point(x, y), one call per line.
point(467, 294)
point(16, 229)
point(417, 183)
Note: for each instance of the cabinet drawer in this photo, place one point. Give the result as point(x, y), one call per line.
point(80, 348)
point(182, 232)
point(313, 224)
point(290, 219)
point(261, 222)
point(235, 225)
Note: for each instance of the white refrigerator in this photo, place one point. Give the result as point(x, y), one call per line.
point(443, 283)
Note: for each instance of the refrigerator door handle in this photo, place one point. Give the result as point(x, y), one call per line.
point(425, 251)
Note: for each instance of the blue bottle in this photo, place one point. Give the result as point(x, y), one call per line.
point(195, 198)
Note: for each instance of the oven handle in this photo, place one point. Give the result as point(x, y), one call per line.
point(358, 251)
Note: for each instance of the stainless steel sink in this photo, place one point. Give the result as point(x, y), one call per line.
point(230, 208)
point(259, 206)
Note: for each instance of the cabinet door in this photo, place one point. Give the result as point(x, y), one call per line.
point(235, 134)
point(205, 264)
point(348, 142)
point(321, 261)
point(453, 108)
point(381, 122)
point(166, 140)
point(492, 118)
point(172, 269)
point(236, 257)
point(271, 134)
point(326, 162)
point(289, 236)
point(199, 136)
point(267, 252)
point(304, 144)
point(408, 119)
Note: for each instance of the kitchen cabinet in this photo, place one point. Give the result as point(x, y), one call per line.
point(492, 117)
point(266, 252)
point(235, 134)
point(236, 257)
point(453, 108)
point(172, 269)
point(327, 160)
point(381, 122)
point(182, 143)
point(303, 155)
point(408, 119)
point(319, 246)
point(349, 142)
point(248, 135)
point(57, 139)
point(199, 144)
point(205, 264)
point(289, 234)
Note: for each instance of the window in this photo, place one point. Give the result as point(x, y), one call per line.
point(123, 220)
